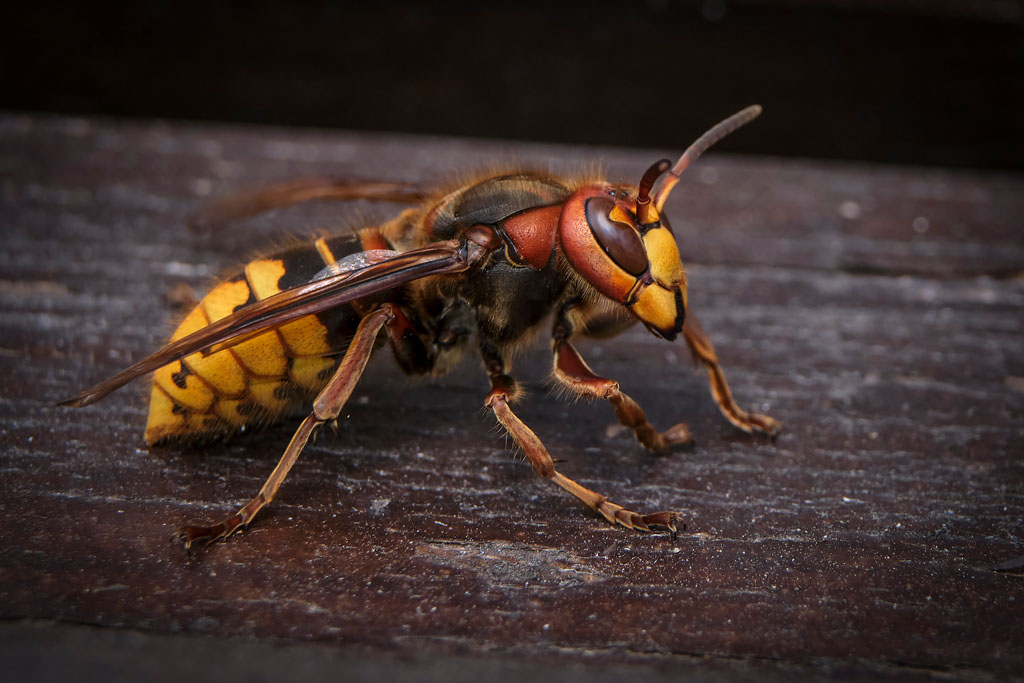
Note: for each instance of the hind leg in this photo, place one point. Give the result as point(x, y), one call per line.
point(326, 407)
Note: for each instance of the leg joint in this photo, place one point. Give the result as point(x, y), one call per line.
point(503, 387)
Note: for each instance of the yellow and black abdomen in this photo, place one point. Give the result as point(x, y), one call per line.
point(255, 381)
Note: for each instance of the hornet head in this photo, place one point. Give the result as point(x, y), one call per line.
point(624, 246)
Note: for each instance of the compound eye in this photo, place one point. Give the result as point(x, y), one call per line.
point(618, 239)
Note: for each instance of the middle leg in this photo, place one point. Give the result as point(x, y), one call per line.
point(504, 389)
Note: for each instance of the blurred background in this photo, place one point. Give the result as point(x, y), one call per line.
point(935, 82)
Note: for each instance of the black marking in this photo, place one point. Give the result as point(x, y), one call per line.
point(301, 264)
point(342, 246)
point(179, 409)
point(241, 277)
point(644, 228)
point(248, 409)
point(680, 313)
point(180, 378)
point(341, 324)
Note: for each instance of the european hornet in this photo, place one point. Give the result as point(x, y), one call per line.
point(491, 259)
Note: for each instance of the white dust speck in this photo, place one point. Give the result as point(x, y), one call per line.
point(850, 210)
point(202, 187)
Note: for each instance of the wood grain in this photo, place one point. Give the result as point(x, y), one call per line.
point(877, 311)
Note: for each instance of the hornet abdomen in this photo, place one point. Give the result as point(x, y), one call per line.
point(254, 382)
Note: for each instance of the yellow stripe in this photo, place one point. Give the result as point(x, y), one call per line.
point(302, 337)
point(263, 276)
point(325, 252)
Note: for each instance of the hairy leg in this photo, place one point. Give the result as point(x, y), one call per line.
point(503, 390)
point(702, 349)
point(326, 407)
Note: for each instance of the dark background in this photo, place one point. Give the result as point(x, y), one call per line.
point(905, 81)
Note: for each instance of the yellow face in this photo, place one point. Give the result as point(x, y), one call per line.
point(662, 304)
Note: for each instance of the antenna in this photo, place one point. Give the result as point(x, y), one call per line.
point(645, 212)
point(700, 145)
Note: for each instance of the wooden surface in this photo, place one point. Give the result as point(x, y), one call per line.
point(878, 312)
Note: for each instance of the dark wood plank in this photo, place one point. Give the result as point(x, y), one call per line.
point(876, 311)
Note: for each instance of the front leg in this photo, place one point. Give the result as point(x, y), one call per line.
point(702, 349)
point(503, 390)
point(572, 371)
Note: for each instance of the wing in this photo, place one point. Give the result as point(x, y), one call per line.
point(297, 302)
point(245, 203)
